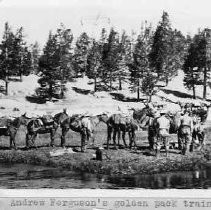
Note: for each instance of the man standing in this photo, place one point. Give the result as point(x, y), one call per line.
point(163, 125)
point(185, 134)
point(152, 129)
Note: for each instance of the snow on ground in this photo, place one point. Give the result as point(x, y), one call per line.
point(84, 102)
point(177, 83)
point(176, 92)
point(24, 88)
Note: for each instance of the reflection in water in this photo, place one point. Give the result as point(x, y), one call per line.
point(28, 176)
point(185, 180)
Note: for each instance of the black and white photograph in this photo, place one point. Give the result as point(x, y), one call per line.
point(105, 94)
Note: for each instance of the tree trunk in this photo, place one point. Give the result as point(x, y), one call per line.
point(95, 84)
point(167, 81)
point(6, 85)
point(138, 90)
point(205, 83)
point(138, 94)
point(120, 83)
point(50, 91)
point(110, 82)
point(150, 98)
point(194, 92)
point(193, 85)
point(21, 77)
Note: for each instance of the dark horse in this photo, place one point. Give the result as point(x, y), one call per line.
point(117, 124)
point(143, 116)
point(10, 128)
point(84, 125)
point(147, 119)
point(60, 117)
point(41, 125)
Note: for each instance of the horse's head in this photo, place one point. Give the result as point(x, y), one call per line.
point(22, 120)
point(103, 117)
point(60, 117)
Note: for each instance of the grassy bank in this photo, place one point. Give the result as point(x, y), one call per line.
point(114, 162)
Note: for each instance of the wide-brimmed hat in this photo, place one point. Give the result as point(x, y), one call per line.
point(163, 111)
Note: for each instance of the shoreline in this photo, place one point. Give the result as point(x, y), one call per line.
point(120, 162)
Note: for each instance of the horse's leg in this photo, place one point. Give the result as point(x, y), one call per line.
point(193, 143)
point(28, 139)
point(12, 135)
point(151, 138)
point(202, 139)
point(52, 133)
point(9, 133)
point(130, 139)
point(166, 145)
point(55, 126)
point(63, 140)
point(119, 134)
point(83, 141)
point(182, 138)
point(33, 139)
point(13, 138)
point(179, 139)
point(114, 136)
point(123, 137)
point(109, 132)
point(133, 138)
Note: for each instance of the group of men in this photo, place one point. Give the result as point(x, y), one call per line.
point(189, 128)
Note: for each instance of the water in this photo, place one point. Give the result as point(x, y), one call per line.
point(28, 176)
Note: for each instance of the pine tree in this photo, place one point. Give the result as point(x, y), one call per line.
point(81, 52)
point(27, 62)
point(35, 55)
point(176, 55)
point(15, 57)
point(20, 51)
point(161, 47)
point(205, 58)
point(149, 84)
point(110, 58)
point(197, 62)
point(140, 67)
point(190, 67)
point(56, 61)
point(94, 63)
point(64, 43)
point(124, 61)
point(7, 55)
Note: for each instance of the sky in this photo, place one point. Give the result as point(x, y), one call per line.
point(39, 16)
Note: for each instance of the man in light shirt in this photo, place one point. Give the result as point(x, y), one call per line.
point(163, 125)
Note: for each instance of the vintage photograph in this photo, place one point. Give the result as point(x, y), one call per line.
point(105, 94)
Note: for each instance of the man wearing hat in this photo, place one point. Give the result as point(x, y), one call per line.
point(163, 125)
point(185, 134)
